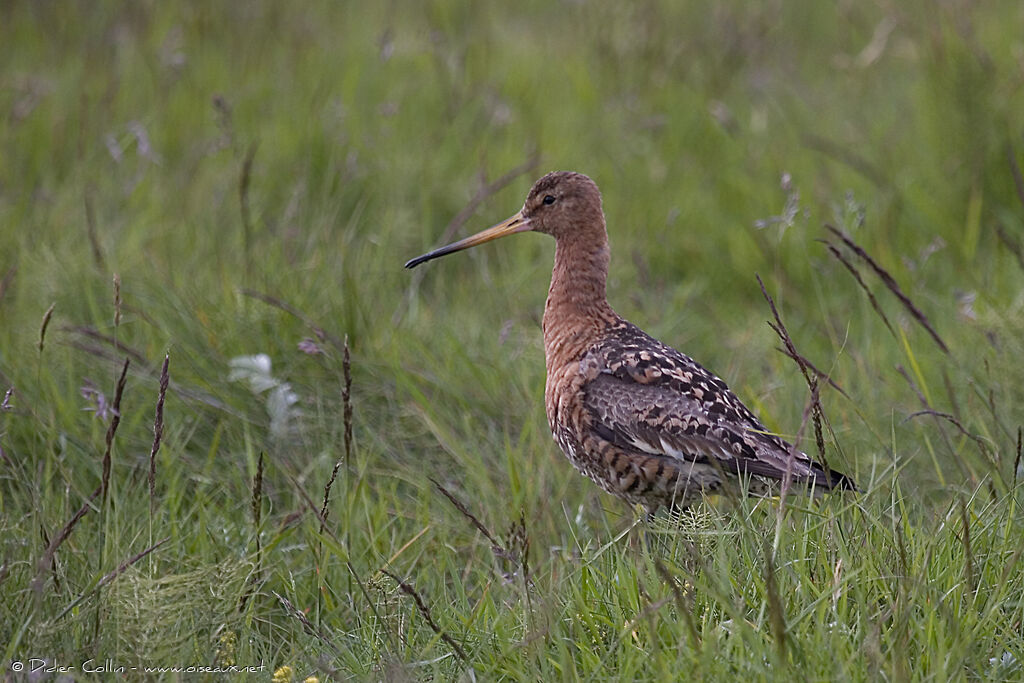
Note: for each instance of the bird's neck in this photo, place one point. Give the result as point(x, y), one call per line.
point(577, 311)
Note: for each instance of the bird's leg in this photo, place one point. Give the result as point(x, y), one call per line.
point(678, 510)
point(642, 518)
point(646, 522)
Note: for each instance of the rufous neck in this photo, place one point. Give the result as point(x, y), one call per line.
point(579, 277)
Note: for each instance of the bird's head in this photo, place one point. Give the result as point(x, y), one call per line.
point(561, 204)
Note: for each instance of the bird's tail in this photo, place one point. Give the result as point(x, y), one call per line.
point(830, 479)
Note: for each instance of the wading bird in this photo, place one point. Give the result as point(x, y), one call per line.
point(645, 422)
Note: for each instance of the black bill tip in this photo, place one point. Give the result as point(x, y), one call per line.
point(412, 263)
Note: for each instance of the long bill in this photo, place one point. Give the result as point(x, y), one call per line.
point(509, 226)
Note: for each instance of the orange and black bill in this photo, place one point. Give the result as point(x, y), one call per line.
point(510, 226)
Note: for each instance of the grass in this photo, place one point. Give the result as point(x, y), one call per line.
point(252, 176)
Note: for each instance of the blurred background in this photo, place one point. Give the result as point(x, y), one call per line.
point(253, 175)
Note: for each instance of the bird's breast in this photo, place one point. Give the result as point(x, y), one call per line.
point(570, 332)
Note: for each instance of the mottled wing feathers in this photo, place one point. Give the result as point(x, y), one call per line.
point(648, 397)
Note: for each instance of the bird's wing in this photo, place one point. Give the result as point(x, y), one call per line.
point(646, 396)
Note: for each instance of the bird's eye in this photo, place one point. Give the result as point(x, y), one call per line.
point(548, 199)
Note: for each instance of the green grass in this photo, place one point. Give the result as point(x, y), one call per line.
point(124, 137)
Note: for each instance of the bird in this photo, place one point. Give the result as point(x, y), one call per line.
point(644, 421)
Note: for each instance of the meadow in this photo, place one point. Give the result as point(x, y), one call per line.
point(235, 432)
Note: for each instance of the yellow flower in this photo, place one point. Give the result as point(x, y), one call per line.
point(226, 648)
point(284, 674)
